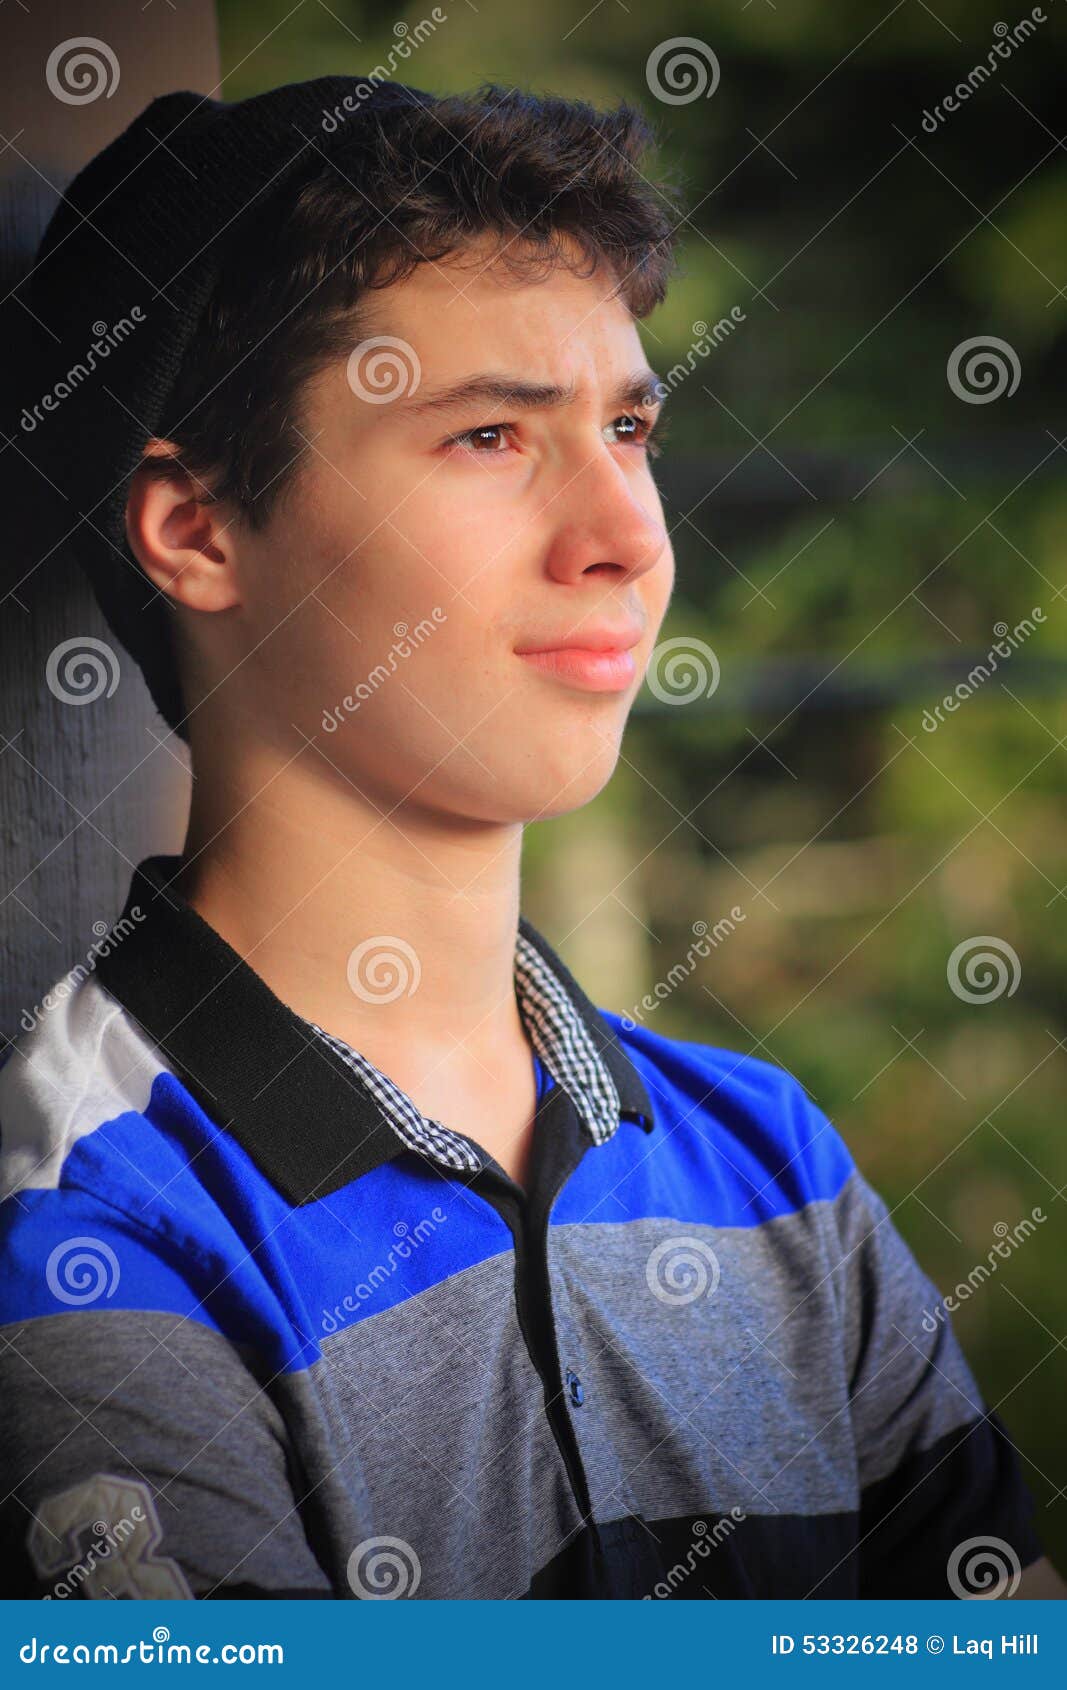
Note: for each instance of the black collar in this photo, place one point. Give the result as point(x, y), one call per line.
point(253, 1065)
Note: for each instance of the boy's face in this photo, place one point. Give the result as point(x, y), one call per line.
point(406, 570)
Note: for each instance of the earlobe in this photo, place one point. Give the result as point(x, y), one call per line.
point(179, 538)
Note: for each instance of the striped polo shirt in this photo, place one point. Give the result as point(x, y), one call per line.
point(266, 1331)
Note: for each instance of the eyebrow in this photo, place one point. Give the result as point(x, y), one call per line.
point(642, 388)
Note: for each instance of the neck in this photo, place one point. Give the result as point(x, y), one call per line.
point(297, 870)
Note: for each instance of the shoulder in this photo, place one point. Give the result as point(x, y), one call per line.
point(739, 1113)
point(118, 1194)
point(89, 1157)
point(79, 1062)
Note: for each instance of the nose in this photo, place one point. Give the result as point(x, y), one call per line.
point(604, 525)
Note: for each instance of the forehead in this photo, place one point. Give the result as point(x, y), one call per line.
point(471, 309)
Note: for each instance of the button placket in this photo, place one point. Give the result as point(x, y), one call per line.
point(610, 1486)
point(573, 1371)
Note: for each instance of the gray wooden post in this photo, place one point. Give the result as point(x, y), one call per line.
point(87, 788)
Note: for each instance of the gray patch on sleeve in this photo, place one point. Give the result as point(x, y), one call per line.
point(99, 1539)
point(168, 1404)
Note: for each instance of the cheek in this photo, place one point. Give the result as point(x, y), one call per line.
point(420, 655)
point(426, 541)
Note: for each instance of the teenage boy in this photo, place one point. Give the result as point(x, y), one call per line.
point(349, 1249)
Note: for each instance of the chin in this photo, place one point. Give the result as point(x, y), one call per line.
point(524, 776)
point(578, 782)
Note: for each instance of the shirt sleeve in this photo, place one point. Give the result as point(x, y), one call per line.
point(944, 1509)
point(141, 1453)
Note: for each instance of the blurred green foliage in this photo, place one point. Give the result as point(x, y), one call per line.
point(830, 498)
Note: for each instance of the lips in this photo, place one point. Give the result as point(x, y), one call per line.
point(592, 671)
point(602, 639)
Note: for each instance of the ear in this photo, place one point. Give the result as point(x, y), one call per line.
point(184, 546)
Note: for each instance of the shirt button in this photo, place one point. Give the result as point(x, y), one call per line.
point(574, 1386)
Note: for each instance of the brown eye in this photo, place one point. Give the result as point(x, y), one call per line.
point(487, 438)
point(632, 430)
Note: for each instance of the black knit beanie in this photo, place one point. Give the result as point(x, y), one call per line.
point(124, 272)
